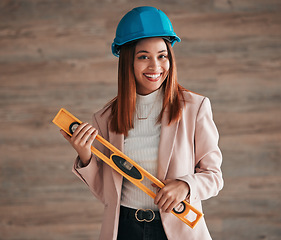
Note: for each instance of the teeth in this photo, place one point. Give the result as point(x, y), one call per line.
point(153, 75)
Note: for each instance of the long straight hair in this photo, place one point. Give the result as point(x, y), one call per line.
point(123, 106)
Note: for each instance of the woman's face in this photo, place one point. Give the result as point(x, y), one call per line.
point(151, 64)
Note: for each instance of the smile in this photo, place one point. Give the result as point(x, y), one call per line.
point(153, 76)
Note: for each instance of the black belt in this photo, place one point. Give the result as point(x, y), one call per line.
point(140, 215)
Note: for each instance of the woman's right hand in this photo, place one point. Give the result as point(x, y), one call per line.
point(82, 140)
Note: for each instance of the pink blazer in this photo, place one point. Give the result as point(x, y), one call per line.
point(188, 150)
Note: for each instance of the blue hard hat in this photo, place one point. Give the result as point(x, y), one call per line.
point(143, 22)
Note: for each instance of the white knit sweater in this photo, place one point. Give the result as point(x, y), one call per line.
point(141, 145)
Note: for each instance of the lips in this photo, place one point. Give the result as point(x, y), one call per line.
point(153, 77)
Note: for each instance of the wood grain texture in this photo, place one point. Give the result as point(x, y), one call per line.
point(57, 54)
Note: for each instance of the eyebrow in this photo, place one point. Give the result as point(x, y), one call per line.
point(144, 51)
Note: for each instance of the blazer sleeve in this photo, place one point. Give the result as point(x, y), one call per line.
point(207, 179)
point(92, 174)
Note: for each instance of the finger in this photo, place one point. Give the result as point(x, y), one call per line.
point(83, 133)
point(164, 200)
point(93, 137)
point(86, 133)
point(172, 206)
point(164, 203)
point(157, 198)
point(161, 198)
point(79, 128)
point(168, 205)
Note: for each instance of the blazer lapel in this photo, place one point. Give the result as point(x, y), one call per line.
point(166, 145)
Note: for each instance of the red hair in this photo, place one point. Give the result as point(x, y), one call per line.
point(123, 106)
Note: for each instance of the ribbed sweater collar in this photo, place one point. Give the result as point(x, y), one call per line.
point(150, 98)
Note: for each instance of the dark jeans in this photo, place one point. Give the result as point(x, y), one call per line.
point(131, 229)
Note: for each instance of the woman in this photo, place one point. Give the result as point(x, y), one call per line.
point(166, 129)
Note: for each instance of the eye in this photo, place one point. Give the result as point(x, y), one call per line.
point(142, 57)
point(163, 56)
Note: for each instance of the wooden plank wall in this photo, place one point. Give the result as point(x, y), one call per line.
point(57, 54)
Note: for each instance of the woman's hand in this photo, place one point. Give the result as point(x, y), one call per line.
point(174, 192)
point(82, 140)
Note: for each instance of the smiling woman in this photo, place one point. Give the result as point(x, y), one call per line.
point(166, 129)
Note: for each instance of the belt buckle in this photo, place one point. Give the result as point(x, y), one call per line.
point(143, 218)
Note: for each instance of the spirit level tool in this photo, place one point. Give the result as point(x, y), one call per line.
point(127, 168)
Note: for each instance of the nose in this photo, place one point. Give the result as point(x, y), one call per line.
point(153, 64)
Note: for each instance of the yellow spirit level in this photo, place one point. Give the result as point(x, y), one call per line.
point(127, 168)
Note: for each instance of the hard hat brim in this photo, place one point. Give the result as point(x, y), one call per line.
point(115, 47)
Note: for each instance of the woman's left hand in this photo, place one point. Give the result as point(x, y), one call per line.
point(174, 192)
